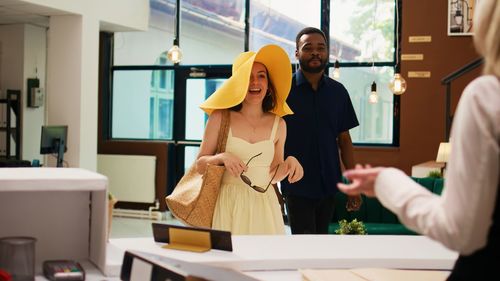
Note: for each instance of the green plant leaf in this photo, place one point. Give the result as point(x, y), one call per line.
point(353, 227)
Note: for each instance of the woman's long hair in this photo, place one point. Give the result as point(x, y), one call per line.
point(487, 34)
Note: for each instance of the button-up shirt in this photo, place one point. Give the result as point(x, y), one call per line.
point(319, 117)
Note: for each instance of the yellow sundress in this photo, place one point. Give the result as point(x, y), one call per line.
point(239, 208)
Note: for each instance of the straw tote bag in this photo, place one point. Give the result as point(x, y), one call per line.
point(193, 199)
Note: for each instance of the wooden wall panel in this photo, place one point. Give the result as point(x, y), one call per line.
point(423, 104)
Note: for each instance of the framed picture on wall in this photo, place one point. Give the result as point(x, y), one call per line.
point(460, 17)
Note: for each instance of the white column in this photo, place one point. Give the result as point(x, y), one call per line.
point(72, 76)
point(35, 51)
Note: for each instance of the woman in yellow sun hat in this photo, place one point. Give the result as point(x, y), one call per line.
point(255, 96)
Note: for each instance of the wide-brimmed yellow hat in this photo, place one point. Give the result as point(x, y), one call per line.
point(233, 90)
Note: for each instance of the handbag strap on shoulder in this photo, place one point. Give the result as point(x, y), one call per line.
point(223, 131)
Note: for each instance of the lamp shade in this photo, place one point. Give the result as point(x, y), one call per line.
point(443, 152)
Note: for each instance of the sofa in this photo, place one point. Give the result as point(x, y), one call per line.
point(376, 218)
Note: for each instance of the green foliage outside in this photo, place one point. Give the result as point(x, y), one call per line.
point(353, 227)
point(363, 25)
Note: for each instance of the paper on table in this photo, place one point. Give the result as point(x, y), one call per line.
point(373, 274)
point(376, 274)
point(329, 275)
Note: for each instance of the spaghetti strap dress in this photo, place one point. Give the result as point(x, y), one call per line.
point(239, 208)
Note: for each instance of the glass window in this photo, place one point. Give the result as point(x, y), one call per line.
point(279, 21)
point(375, 120)
point(190, 155)
point(198, 90)
point(142, 106)
point(361, 30)
point(212, 32)
point(201, 22)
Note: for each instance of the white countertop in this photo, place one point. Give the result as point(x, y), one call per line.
point(290, 252)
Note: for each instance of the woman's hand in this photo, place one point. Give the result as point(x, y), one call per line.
point(233, 164)
point(353, 203)
point(362, 180)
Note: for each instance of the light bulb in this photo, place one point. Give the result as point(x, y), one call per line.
point(175, 54)
point(458, 17)
point(336, 70)
point(373, 97)
point(397, 84)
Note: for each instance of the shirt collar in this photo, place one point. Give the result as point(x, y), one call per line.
point(301, 79)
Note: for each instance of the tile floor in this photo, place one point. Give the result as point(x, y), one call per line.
point(124, 227)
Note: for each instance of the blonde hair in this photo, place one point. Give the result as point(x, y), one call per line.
point(487, 34)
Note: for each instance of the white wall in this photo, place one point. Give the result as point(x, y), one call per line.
point(35, 56)
point(12, 38)
point(64, 81)
point(72, 48)
point(11, 64)
point(119, 15)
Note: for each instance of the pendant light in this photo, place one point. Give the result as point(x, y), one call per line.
point(174, 54)
point(336, 70)
point(398, 83)
point(373, 97)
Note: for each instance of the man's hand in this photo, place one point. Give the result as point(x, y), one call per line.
point(353, 203)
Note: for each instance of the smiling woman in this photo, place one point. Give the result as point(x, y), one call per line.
point(256, 96)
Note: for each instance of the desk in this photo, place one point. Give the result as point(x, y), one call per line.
point(290, 252)
point(63, 208)
point(91, 274)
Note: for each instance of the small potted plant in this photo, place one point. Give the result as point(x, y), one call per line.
point(353, 227)
point(435, 174)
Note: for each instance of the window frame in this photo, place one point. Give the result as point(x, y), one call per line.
point(179, 101)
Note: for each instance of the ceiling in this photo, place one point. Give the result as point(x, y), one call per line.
point(16, 12)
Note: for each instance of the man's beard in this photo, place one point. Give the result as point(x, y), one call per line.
point(305, 67)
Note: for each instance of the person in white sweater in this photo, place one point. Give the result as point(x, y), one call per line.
point(466, 217)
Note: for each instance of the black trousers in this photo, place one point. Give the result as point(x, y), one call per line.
point(309, 216)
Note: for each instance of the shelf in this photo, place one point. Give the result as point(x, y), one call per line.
point(13, 132)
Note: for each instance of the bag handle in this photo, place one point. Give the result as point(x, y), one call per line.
point(223, 131)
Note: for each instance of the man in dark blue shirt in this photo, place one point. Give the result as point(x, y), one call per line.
point(316, 133)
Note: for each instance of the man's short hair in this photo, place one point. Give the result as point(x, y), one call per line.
point(308, 30)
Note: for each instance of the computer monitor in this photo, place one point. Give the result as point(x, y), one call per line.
point(54, 139)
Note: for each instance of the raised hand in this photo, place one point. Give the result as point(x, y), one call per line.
point(362, 180)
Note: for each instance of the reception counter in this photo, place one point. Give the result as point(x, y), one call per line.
point(286, 254)
point(63, 208)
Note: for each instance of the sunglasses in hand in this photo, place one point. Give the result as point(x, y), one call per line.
point(248, 182)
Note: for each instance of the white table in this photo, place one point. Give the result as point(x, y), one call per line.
point(63, 208)
point(277, 255)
